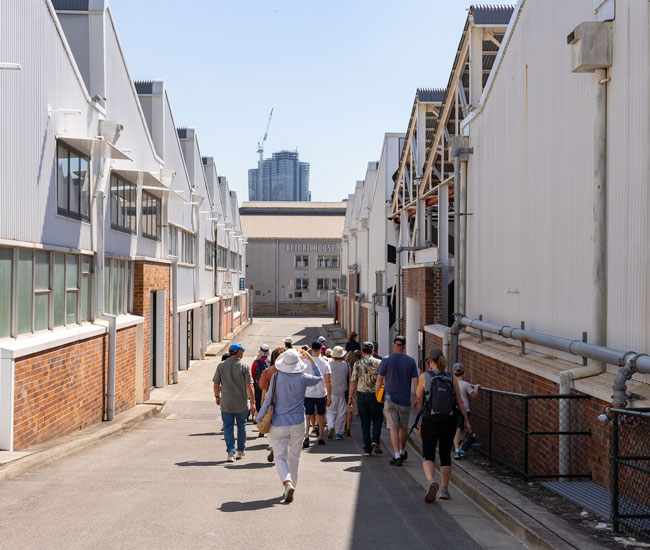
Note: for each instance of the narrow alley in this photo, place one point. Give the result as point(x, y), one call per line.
point(165, 484)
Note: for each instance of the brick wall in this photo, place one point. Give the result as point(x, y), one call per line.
point(148, 277)
point(62, 390)
point(425, 285)
point(592, 452)
point(292, 308)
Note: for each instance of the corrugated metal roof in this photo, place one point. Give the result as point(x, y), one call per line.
point(431, 95)
point(498, 14)
point(143, 86)
point(293, 227)
point(70, 5)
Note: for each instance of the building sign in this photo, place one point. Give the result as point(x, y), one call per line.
point(226, 283)
point(332, 248)
point(242, 283)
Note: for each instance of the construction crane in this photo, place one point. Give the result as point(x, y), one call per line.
point(260, 144)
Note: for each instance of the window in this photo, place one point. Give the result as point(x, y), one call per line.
point(302, 261)
point(209, 254)
point(151, 213)
point(52, 289)
point(123, 204)
point(326, 284)
point(237, 305)
point(187, 252)
point(222, 257)
point(302, 284)
point(73, 183)
point(327, 261)
point(118, 286)
point(234, 261)
point(172, 233)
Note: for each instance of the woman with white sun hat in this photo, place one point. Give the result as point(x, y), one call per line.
point(287, 393)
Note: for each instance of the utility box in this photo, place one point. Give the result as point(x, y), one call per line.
point(591, 46)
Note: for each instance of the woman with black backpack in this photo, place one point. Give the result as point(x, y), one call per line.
point(441, 400)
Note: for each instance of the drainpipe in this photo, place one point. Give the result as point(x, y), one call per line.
point(359, 296)
point(175, 327)
point(445, 345)
point(460, 153)
point(277, 277)
point(454, 333)
point(634, 363)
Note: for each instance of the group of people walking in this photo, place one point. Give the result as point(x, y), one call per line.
point(316, 388)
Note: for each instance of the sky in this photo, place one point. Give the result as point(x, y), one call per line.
point(338, 74)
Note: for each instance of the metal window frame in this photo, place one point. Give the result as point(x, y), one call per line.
point(145, 229)
point(113, 204)
point(66, 211)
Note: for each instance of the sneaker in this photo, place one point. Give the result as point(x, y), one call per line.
point(288, 493)
point(338, 436)
point(330, 435)
point(462, 454)
point(231, 457)
point(377, 448)
point(366, 453)
point(457, 455)
point(396, 461)
point(260, 435)
point(321, 442)
point(404, 455)
point(270, 457)
point(305, 443)
point(430, 495)
point(316, 431)
point(239, 455)
point(444, 493)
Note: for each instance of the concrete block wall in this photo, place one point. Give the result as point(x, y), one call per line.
point(63, 389)
point(148, 277)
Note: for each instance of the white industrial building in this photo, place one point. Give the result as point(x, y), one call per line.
point(116, 236)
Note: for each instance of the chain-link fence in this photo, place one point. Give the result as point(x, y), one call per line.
point(630, 463)
point(538, 436)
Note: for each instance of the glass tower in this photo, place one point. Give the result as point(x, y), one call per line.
point(284, 178)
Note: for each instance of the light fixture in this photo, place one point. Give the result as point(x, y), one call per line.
point(51, 111)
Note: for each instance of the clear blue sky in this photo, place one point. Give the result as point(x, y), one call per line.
point(339, 74)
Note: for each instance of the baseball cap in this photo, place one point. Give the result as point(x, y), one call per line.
point(321, 339)
point(235, 347)
point(288, 340)
point(264, 349)
point(459, 368)
point(434, 354)
point(400, 340)
point(316, 345)
point(368, 344)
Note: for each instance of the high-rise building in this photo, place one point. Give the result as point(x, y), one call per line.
point(284, 178)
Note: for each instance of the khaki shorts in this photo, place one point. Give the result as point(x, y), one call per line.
point(397, 416)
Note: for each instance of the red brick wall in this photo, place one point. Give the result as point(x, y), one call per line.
point(150, 276)
point(592, 453)
point(425, 285)
point(365, 313)
point(62, 390)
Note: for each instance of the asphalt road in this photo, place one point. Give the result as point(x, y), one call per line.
point(165, 484)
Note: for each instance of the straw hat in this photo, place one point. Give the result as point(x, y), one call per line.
point(290, 362)
point(338, 352)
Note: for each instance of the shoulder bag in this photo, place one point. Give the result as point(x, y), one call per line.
point(264, 425)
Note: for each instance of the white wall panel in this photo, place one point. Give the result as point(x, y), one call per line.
point(29, 35)
point(530, 179)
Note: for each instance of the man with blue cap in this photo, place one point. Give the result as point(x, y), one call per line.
point(233, 384)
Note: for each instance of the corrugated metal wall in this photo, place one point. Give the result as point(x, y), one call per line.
point(29, 36)
point(529, 186)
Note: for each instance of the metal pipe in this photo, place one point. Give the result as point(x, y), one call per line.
point(175, 324)
point(454, 333)
point(110, 378)
point(462, 238)
point(277, 277)
point(598, 332)
point(445, 345)
point(460, 226)
point(457, 259)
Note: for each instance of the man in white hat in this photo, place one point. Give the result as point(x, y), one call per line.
point(337, 409)
point(288, 342)
point(287, 394)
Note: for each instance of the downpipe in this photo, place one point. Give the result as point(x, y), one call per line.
point(454, 334)
point(175, 322)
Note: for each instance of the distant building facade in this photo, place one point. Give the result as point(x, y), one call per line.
point(284, 178)
point(293, 255)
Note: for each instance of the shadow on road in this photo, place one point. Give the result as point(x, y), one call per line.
point(249, 506)
point(197, 463)
point(201, 435)
point(250, 466)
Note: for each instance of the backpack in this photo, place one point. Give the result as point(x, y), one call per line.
point(439, 396)
point(261, 367)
